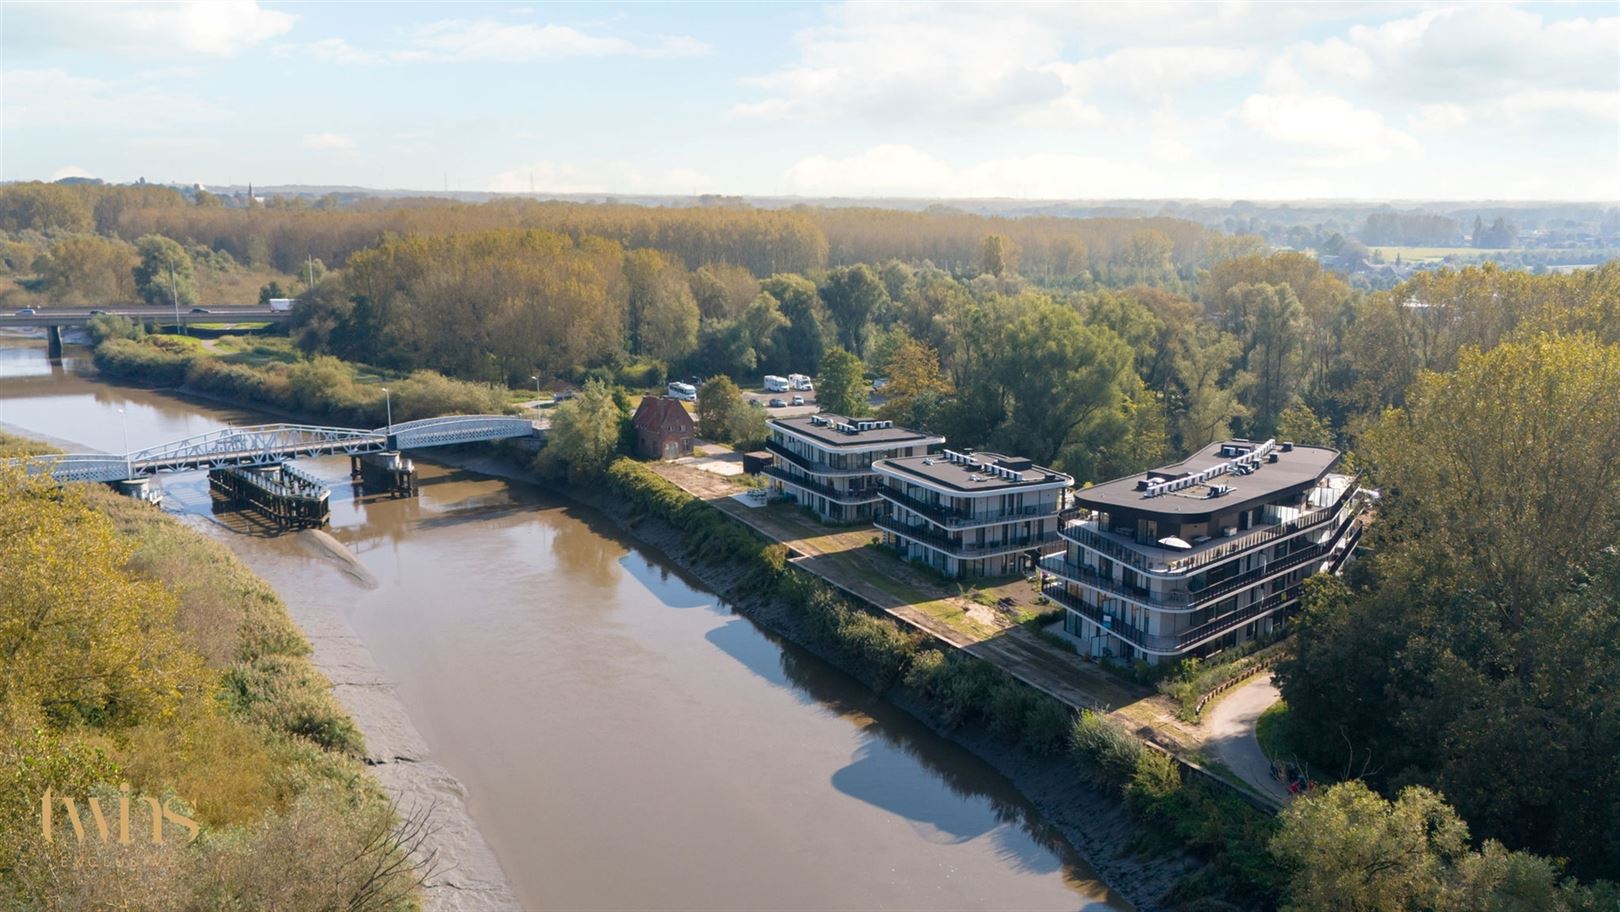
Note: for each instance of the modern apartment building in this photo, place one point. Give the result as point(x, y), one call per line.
point(1203, 554)
point(970, 514)
point(825, 461)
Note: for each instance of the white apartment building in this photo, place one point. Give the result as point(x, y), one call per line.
point(970, 514)
point(825, 462)
point(1203, 554)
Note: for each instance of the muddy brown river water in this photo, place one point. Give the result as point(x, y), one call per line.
point(626, 740)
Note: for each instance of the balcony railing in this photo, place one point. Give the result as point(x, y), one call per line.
point(1182, 640)
point(956, 519)
point(955, 547)
point(1182, 601)
point(814, 465)
point(1110, 544)
point(857, 496)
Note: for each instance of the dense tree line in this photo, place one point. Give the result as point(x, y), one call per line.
point(1478, 653)
point(1417, 229)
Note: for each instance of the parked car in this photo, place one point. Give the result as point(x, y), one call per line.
point(97, 313)
point(798, 400)
point(27, 312)
point(200, 310)
point(777, 403)
point(756, 403)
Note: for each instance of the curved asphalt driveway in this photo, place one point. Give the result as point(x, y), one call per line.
point(1230, 726)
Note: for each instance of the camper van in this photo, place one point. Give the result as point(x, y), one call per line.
point(800, 382)
point(775, 384)
point(685, 392)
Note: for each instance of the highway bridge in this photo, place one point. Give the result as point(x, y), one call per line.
point(55, 319)
point(218, 313)
point(269, 444)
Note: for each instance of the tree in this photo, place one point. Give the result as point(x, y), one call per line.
point(998, 256)
point(801, 341)
point(270, 291)
point(164, 272)
point(854, 295)
point(1477, 657)
point(841, 384)
point(585, 429)
point(916, 385)
point(718, 402)
point(1269, 322)
point(1348, 850)
point(89, 270)
point(663, 315)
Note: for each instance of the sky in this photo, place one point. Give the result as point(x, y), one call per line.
point(1038, 101)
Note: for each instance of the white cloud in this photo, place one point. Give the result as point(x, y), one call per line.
point(550, 176)
point(466, 40)
point(1457, 54)
point(216, 28)
point(329, 141)
point(1334, 131)
point(55, 98)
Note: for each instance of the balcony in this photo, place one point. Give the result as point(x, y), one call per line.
point(955, 547)
point(958, 519)
point(851, 498)
point(1184, 640)
point(1128, 552)
point(813, 466)
point(1183, 601)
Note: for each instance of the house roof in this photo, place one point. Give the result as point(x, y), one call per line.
point(657, 412)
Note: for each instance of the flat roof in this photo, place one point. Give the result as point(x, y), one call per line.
point(824, 429)
point(974, 478)
point(1300, 466)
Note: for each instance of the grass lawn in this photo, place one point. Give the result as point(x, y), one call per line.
point(1410, 254)
point(1272, 731)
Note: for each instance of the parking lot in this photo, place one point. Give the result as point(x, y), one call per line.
point(763, 398)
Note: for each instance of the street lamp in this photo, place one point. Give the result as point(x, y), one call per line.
point(536, 379)
point(388, 402)
point(129, 471)
point(174, 293)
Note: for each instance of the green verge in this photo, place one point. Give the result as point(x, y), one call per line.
point(958, 690)
point(324, 387)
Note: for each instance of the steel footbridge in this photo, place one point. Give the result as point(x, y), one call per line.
point(267, 444)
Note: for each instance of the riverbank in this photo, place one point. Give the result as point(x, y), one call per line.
point(192, 683)
point(323, 660)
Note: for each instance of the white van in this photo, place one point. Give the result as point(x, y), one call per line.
point(775, 384)
point(685, 392)
point(800, 382)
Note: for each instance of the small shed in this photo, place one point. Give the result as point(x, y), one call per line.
point(664, 428)
point(757, 461)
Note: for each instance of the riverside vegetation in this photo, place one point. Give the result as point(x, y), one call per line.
point(139, 652)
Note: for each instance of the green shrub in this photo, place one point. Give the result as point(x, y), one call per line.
point(1103, 744)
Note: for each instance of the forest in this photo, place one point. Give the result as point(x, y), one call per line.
point(1467, 666)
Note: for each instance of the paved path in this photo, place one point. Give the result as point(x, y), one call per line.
point(1230, 725)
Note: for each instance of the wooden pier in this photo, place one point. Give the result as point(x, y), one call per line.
point(277, 491)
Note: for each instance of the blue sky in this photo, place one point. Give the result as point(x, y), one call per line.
point(1218, 100)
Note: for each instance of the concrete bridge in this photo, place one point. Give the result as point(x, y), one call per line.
point(54, 319)
point(268, 444)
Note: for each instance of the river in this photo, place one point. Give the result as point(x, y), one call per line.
point(626, 740)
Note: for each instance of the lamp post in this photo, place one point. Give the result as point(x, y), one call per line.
point(388, 403)
point(129, 471)
point(174, 295)
point(536, 379)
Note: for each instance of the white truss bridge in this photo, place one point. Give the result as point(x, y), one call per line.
point(271, 443)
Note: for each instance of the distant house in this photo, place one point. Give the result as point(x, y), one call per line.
point(663, 429)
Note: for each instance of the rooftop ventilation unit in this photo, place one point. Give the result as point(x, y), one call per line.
point(1242, 465)
point(817, 421)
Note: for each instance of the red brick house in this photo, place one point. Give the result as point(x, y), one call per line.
point(664, 429)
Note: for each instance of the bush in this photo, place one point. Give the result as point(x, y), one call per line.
point(1104, 745)
point(142, 362)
